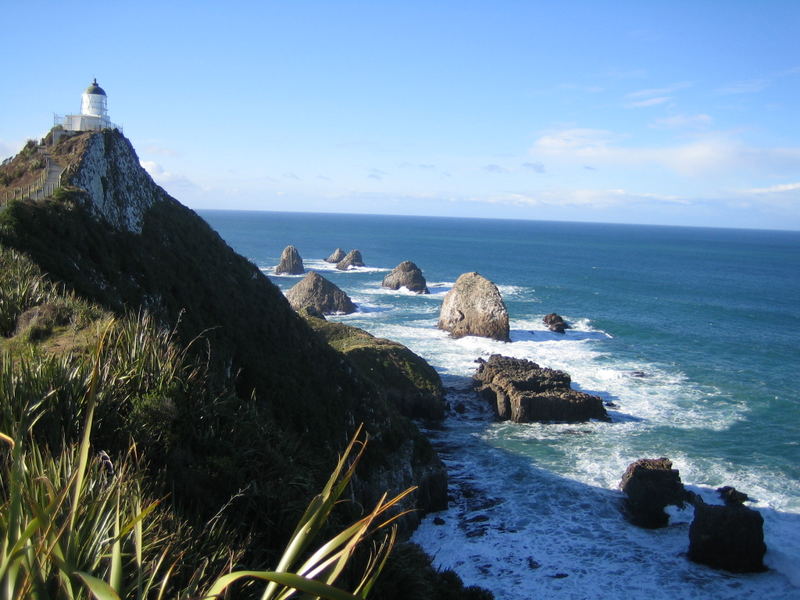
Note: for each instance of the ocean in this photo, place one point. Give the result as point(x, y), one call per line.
point(692, 333)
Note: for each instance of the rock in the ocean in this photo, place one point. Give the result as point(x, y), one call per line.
point(522, 391)
point(290, 262)
point(731, 496)
point(353, 259)
point(650, 484)
point(555, 323)
point(335, 256)
point(474, 307)
point(407, 275)
point(320, 294)
point(727, 537)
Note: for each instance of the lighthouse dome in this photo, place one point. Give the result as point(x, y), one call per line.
point(95, 89)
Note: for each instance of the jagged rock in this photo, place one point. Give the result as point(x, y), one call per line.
point(474, 307)
point(522, 391)
point(727, 537)
point(555, 323)
point(731, 496)
point(335, 256)
point(353, 259)
point(291, 262)
point(320, 294)
point(650, 484)
point(403, 378)
point(407, 275)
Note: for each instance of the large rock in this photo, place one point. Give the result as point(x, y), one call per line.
point(320, 294)
point(353, 259)
point(727, 537)
point(555, 323)
point(335, 256)
point(650, 484)
point(291, 262)
point(474, 307)
point(403, 378)
point(407, 275)
point(522, 391)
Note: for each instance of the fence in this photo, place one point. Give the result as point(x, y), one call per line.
point(44, 185)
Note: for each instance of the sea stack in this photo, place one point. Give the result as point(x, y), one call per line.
point(335, 256)
point(474, 307)
point(407, 275)
point(650, 484)
point(321, 295)
point(353, 259)
point(291, 262)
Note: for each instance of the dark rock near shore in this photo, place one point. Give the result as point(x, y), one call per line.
point(291, 262)
point(474, 307)
point(650, 484)
point(522, 391)
point(353, 259)
point(320, 294)
point(727, 537)
point(555, 323)
point(335, 256)
point(731, 496)
point(407, 275)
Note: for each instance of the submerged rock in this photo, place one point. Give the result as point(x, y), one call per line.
point(555, 323)
point(650, 484)
point(524, 392)
point(319, 294)
point(407, 275)
point(474, 307)
point(335, 256)
point(727, 537)
point(353, 259)
point(291, 262)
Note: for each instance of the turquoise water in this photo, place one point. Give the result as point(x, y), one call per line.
point(710, 317)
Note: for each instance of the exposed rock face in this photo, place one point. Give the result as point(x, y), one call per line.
point(555, 323)
point(335, 256)
point(404, 378)
point(650, 484)
point(407, 275)
point(291, 262)
point(522, 391)
point(727, 537)
point(317, 292)
point(474, 307)
point(119, 189)
point(353, 259)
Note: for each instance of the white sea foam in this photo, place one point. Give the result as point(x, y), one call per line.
point(536, 509)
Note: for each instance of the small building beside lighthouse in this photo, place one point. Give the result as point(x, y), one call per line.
point(94, 112)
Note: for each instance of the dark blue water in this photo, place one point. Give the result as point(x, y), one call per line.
point(711, 317)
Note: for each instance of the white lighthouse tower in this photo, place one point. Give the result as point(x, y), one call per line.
point(94, 112)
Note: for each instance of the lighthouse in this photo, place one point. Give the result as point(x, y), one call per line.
point(94, 112)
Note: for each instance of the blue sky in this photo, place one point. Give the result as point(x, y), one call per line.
point(672, 112)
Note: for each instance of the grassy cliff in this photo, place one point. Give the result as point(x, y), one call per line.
point(234, 403)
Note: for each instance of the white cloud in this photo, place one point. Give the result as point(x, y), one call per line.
point(750, 86)
point(706, 153)
point(774, 189)
point(166, 178)
point(650, 92)
point(590, 198)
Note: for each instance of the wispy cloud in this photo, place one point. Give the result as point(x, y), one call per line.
point(594, 198)
point(166, 178)
point(683, 122)
point(495, 169)
point(536, 167)
point(649, 102)
point(376, 174)
point(750, 86)
point(774, 189)
point(654, 96)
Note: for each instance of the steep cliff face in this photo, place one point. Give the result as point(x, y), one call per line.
point(117, 238)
